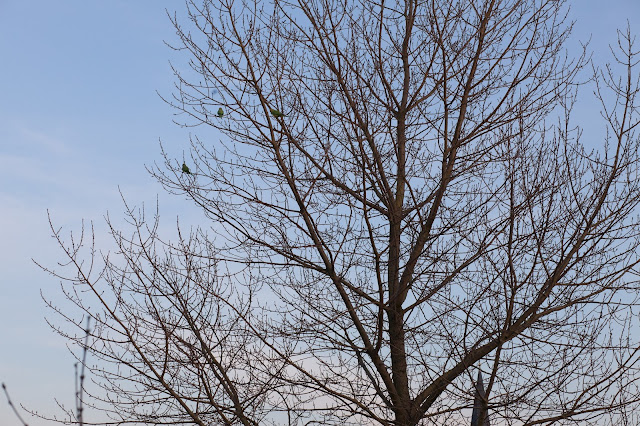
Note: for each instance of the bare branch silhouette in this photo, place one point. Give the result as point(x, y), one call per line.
point(13, 407)
point(397, 198)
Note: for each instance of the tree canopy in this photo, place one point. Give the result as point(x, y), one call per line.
point(399, 200)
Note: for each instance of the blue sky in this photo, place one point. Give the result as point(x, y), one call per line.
point(80, 118)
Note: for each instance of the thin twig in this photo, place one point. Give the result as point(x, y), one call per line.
point(4, 388)
point(80, 383)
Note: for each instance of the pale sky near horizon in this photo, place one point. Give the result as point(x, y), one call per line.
point(79, 119)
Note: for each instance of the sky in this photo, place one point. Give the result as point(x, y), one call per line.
point(80, 117)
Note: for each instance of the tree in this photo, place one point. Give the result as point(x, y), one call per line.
point(420, 208)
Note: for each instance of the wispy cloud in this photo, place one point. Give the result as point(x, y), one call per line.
point(42, 140)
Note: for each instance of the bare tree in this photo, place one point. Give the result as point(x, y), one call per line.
point(399, 201)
